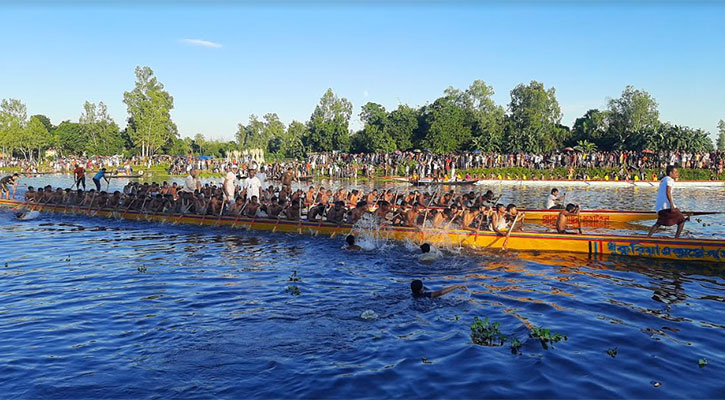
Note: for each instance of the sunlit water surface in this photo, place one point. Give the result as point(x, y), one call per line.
point(94, 308)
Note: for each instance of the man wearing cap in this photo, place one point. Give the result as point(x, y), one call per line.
point(230, 184)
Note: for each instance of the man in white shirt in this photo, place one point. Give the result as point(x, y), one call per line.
point(230, 184)
point(192, 183)
point(262, 176)
point(253, 185)
point(667, 213)
point(553, 201)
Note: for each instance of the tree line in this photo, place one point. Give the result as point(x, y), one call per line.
point(459, 120)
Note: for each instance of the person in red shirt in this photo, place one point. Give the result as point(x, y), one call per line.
point(79, 174)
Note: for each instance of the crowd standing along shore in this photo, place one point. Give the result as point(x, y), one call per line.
point(564, 165)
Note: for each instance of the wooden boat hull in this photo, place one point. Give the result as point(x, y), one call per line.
point(595, 246)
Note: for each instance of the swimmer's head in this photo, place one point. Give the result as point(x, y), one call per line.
point(350, 239)
point(416, 286)
point(425, 248)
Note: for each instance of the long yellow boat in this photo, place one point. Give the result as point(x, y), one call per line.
point(596, 216)
point(596, 246)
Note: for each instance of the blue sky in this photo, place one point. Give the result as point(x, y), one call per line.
point(282, 57)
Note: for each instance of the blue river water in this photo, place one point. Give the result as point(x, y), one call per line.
point(93, 308)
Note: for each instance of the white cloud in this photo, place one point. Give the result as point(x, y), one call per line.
point(202, 43)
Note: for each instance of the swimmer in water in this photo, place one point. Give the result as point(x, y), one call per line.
point(425, 248)
point(418, 290)
point(350, 239)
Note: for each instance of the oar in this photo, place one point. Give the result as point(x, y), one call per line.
point(480, 222)
point(513, 225)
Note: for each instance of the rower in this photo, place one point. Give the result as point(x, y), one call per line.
point(419, 292)
point(563, 219)
point(336, 214)
point(498, 220)
point(667, 213)
point(512, 212)
point(553, 201)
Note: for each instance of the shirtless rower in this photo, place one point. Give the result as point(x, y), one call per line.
point(336, 213)
point(563, 219)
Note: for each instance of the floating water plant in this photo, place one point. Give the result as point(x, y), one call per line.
point(141, 269)
point(546, 337)
point(702, 362)
point(612, 352)
point(486, 333)
point(516, 346)
point(293, 290)
point(294, 277)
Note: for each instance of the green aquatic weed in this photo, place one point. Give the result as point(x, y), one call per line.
point(546, 337)
point(294, 277)
point(702, 362)
point(293, 290)
point(141, 269)
point(486, 333)
point(516, 346)
point(612, 352)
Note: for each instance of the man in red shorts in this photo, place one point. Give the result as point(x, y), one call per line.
point(667, 213)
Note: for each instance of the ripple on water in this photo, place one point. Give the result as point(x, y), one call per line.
point(104, 308)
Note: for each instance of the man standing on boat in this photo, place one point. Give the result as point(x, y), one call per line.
point(97, 178)
point(79, 174)
point(230, 184)
point(10, 180)
point(191, 182)
point(667, 213)
point(252, 184)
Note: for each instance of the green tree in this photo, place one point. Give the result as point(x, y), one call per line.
point(444, 126)
point(485, 118)
point(593, 127)
point(253, 135)
point(46, 122)
point(178, 147)
point(292, 145)
point(721, 135)
point(274, 132)
point(70, 138)
point(633, 114)
point(13, 120)
point(103, 135)
point(150, 107)
point(327, 128)
point(401, 126)
point(33, 137)
point(534, 119)
point(374, 136)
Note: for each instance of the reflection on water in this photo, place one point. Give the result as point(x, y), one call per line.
point(103, 308)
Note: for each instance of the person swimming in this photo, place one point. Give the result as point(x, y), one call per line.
point(350, 239)
point(419, 292)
